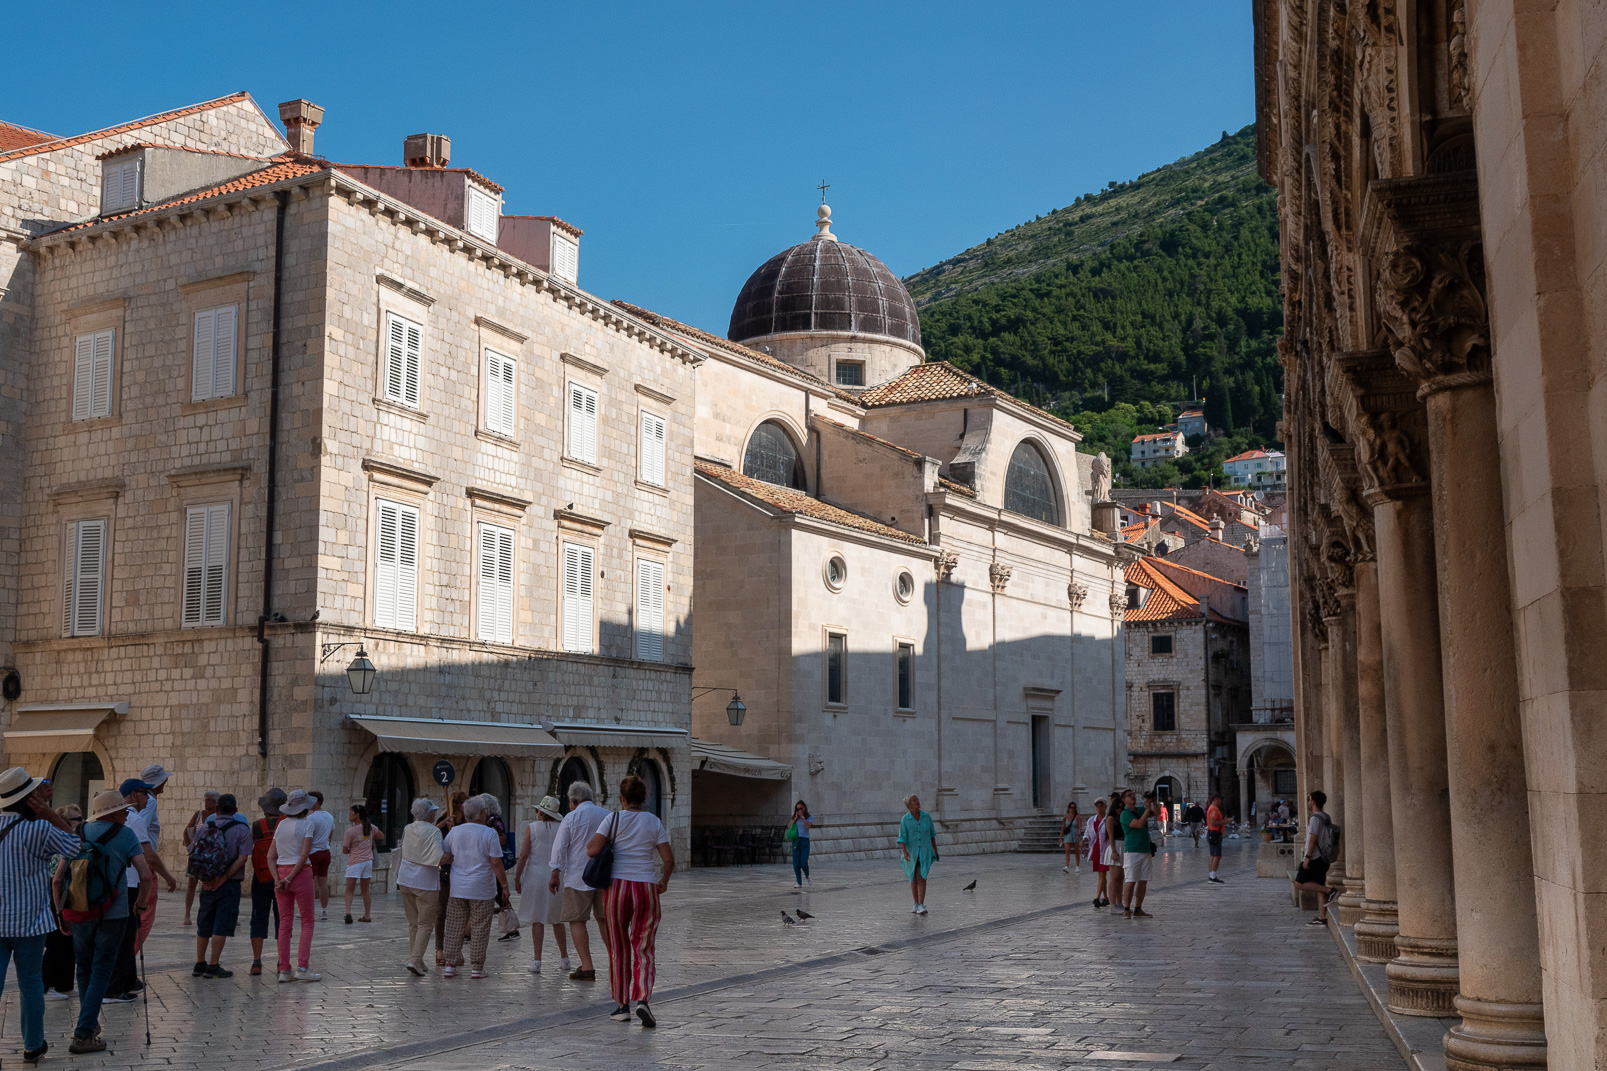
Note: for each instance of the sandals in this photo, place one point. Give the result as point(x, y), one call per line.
point(365, 918)
point(256, 966)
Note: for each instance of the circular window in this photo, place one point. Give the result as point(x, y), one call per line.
point(904, 586)
point(836, 572)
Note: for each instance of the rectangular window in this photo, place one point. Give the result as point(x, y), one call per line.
point(213, 359)
point(84, 576)
point(1163, 706)
point(495, 597)
point(906, 676)
point(404, 341)
point(480, 215)
point(120, 186)
point(650, 611)
point(396, 567)
point(565, 257)
point(500, 393)
point(1160, 644)
point(579, 562)
point(850, 373)
point(92, 374)
point(836, 668)
point(652, 449)
point(206, 565)
point(582, 423)
point(1283, 781)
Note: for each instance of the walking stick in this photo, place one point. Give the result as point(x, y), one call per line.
point(145, 997)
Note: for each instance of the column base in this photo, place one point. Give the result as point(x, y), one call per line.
point(1350, 906)
point(1496, 1036)
point(1376, 930)
point(1423, 976)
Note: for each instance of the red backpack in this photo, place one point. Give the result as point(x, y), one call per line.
point(261, 845)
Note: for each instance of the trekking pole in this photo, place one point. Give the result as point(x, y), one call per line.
point(145, 997)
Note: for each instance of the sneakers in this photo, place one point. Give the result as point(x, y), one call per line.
point(199, 971)
point(645, 1014)
point(563, 965)
point(80, 1044)
point(1333, 894)
point(535, 966)
point(621, 1014)
point(1214, 880)
point(476, 973)
point(1317, 922)
point(323, 915)
point(449, 972)
point(286, 976)
point(1098, 902)
point(415, 970)
point(920, 909)
point(1140, 913)
point(33, 1056)
point(56, 994)
point(1079, 868)
point(809, 881)
point(348, 920)
point(305, 974)
point(513, 936)
point(581, 974)
point(216, 971)
point(1127, 912)
point(118, 998)
point(1065, 870)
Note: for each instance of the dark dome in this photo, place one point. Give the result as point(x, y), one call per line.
point(824, 285)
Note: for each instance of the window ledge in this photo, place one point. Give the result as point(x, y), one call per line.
point(233, 401)
point(583, 466)
point(401, 410)
point(496, 437)
point(93, 423)
point(652, 487)
point(904, 713)
point(836, 707)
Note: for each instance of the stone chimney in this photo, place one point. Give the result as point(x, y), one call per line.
point(1217, 528)
point(426, 150)
point(301, 118)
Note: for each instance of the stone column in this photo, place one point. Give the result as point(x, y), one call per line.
point(1333, 713)
point(1376, 929)
point(1349, 905)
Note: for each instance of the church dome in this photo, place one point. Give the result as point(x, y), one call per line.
point(824, 285)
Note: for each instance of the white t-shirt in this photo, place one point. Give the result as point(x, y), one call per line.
point(288, 837)
point(636, 845)
point(140, 823)
point(473, 846)
point(323, 823)
point(569, 847)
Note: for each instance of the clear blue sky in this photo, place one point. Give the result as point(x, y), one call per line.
point(686, 138)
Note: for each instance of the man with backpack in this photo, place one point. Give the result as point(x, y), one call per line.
point(264, 874)
point(218, 855)
point(96, 909)
point(1322, 844)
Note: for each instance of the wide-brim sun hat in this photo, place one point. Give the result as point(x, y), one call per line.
point(271, 800)
point(154, 775)
point(105, 803)
point(296, 804)
point(15, 784)
point(549, 807)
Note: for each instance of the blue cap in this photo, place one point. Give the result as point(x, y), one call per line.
point(133, 784)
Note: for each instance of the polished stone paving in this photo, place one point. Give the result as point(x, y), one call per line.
point(1023, 973)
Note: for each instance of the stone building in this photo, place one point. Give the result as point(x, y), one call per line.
point(1157, 449)
point(1438, 167)
point(1188, 674)
point(262, 411)
point(896, 569)
point(1265, 746)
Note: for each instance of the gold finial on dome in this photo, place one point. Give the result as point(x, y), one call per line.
point(823, 224)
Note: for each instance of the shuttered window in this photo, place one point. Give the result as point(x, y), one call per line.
point(396, 567)
point(481, 214)
point(582, 423)
point(500, 393)
point(578, 604)
point(92, 374)
point(84, 576)
point(650, 611)
point(404, 340)
point(206, 565)
point(119, 186)
point(214, 357)
point(652, 449)
point(565, 257)
point(494, 600)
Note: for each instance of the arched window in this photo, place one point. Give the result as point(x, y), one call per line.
point(573, 770)
point(771, 457)
point(1028, 488)
point(647, 770)
point(491, 775)
point(389, 792)
point(77, 778)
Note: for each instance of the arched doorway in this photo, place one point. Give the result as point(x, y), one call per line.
point(574, 769)
point(389, 792)
point(1168, 790)
point(647, 770)
point(77, 777)
point(492, 775)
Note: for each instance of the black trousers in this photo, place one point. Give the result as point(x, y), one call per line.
point(58, 965)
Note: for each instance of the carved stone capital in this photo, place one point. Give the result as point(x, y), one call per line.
point(1431, 305)
point(1118, 604)
point(945, 564)
point(1077, 594)
point(998, 577)
point(1387, 421)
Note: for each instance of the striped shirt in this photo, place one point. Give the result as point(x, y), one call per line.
point(25, 855)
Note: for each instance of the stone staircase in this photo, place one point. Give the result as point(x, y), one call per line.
point(1039, 833)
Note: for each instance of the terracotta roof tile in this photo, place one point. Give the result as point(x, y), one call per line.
point(794, 502)
point(699, 335)
point(279, 169)
point(1159, 435)
point(1166, 602)
point(873, 438)
point(122, 128)
point(934, 381)
point(13, 136)
point(958, 488)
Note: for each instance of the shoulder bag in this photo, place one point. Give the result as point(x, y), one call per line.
point(599, 872)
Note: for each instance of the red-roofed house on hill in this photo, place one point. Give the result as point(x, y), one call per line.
point(1157, 449)
point(1262, 470)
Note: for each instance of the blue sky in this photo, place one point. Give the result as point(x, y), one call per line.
point(686, 139)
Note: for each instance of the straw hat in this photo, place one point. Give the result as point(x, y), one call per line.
point(549, 807)
point(15, 784)
point(296, 804)
point(105, 803)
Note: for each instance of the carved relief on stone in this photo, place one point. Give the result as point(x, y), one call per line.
point(1377, 80)
point(1432, 307)
point(1461, 87)
point(1077, 593)
point(998, 577)
point(1118, 603)
point(1252, 546)
point(945, 564)
point(1341, 574)
point(1386, 452)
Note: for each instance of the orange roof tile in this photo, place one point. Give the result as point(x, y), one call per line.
point(797, 503)
point(1166, 600)
point(122, 128)
point(1158, 435)
point(1137, 530)
point(958, 488)
point(279, 169)
point(13, 136)
point(570, 227)
point(934, 381)
point(707, 339)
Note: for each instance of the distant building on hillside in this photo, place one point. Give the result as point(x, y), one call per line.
point(1157, 449)
point(1260, 469)
point(1191, 422)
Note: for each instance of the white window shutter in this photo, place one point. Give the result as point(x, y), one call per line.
point(500, 393)
point(100, 387)
point(578, 603)
point(225, 327)
point(215, 588)
point(407, 569)
point(403, 343)
point(415, 344)
point(652, 449)
point(85, 576)
point(202, 358)
point(396, 566)
point(650, 611)
point(495, 609)
point(582, 423)
point(83, 374)
point(504, 620)
point(510, 396)
point(194, 563)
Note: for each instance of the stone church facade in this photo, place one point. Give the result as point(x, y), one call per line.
point(1438, 171)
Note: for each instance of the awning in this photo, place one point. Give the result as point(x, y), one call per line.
point(438, 736)
point(44, 728)
point(717, 758)
point(579, 733)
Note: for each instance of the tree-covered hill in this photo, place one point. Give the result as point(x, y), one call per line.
point(1114, 310)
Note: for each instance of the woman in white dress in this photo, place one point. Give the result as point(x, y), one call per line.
point(538, 908)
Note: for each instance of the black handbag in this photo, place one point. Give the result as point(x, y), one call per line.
point(599, 872)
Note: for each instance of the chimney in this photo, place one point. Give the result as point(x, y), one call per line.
point(426, 150)
point(1217, 528)
point(301, 118)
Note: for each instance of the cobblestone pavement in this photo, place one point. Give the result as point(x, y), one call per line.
point(1023, 973)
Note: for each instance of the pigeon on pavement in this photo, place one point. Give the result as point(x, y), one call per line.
point(802, 914)
point(969, 887)
point(788, 919)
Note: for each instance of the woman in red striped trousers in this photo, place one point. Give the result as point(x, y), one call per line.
point(630, 903)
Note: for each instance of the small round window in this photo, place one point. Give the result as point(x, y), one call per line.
point(836, 572)
point(904, 586)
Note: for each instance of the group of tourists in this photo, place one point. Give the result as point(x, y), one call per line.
point(1121, 839)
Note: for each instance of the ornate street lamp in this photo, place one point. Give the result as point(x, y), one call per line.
point(361, 673)
point(735, 709)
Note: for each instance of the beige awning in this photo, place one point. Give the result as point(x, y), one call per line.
point(717, 758)
point(46, 728)
point(439, 736)
point(585, 734)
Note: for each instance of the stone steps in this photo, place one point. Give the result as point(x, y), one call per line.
point(1041, 834)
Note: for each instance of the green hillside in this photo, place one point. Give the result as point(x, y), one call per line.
point(1112, 311)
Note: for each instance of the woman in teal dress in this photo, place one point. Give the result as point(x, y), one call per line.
point(918, 839)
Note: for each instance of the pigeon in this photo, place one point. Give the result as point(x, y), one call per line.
point(788, 919)
point(802, 914)
point(970, 887)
